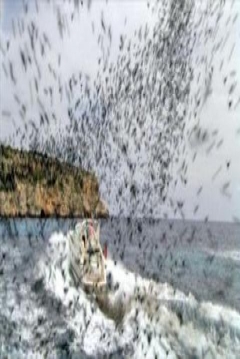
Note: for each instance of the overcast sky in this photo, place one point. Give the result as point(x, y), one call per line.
point(80, 51)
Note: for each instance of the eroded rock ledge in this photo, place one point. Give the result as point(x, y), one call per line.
point(34, 185)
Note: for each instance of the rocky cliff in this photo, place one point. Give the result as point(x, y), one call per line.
point(34, 185)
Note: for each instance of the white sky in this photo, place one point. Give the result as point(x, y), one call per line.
point(80, 52)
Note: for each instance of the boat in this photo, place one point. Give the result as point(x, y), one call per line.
point(86, 258)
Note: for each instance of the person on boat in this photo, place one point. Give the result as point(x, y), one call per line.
point(105, 250)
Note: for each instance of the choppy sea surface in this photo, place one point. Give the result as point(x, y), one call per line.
point(189, 270)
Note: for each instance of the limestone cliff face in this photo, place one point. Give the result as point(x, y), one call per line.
point(35, 185)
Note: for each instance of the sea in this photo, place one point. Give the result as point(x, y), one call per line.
point(174, 287)
point(202, 258)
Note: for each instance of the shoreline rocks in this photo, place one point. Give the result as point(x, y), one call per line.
point(34, 185)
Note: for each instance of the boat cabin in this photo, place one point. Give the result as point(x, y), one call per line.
point(85, 254)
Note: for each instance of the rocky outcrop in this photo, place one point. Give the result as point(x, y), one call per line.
point(34, 185)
